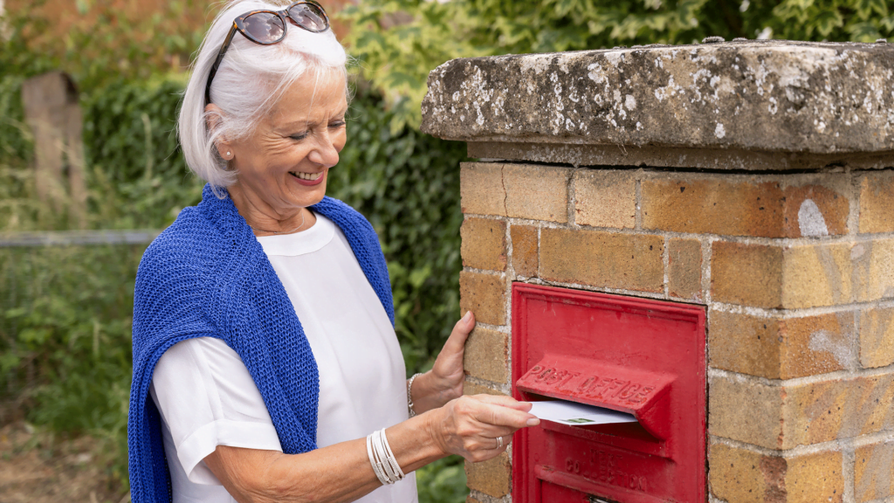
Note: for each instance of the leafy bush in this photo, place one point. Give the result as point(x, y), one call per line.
point(443, 481)
point(139, 173)
point(396, 56)
point(101, 42)
point(65, 338)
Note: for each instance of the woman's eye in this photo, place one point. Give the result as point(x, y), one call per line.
point(299, 136)
point(337, 124)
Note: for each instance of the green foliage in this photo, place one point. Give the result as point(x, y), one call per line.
point(15, 143)
point(102, 43)
point(139, 173)
point(65, 322)
point(406, 184)
point(443, 481)
point(399, 41)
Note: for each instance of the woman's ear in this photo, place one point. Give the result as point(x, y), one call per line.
point(213, 118)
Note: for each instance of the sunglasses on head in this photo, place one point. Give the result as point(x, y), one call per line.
point(268, 27)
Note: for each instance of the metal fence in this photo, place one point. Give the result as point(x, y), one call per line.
point(77, 238)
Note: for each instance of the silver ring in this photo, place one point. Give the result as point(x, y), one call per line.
point(499, 442)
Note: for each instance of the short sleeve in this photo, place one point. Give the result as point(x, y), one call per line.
point(207, 398)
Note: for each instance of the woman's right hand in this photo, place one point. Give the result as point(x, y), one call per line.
point(470, 425)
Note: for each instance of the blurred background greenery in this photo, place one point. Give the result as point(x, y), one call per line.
point(65, 312)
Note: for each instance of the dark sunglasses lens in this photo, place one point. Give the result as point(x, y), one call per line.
point(264, 27)
point(309, 16)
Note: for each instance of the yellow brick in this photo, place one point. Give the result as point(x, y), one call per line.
point(605, 198)
point(815, 477)
point(736, 206)
point(483, 244)
point(758, 423)
point(840, 273)
point(743, 476)
point(602, 259)
point(746, 274)
point(877, 202)
point(491, 477)
point(525, 250)
point(830, 410)
point(784, 417)
point(818, 275)
point(802, 276)
point(746, 205)
point(818, 208)
point(481, 189)
point(536, 192)
point(874, 472)
point(685, 269)
point(877, 338)
point(881, 270)
point(484, 295)
point(486, 355)
point(778, 348)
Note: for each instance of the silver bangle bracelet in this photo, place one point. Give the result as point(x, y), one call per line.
point(410, 405)
point(382, 459)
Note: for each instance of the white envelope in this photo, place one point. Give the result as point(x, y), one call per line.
point(578, 414)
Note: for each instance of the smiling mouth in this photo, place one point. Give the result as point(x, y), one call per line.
point(306, 176)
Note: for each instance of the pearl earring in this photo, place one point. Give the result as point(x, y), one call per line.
point(228, 153)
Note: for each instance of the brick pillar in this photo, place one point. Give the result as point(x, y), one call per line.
point(753, 178)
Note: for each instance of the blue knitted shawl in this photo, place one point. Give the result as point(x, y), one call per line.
point(207, 276)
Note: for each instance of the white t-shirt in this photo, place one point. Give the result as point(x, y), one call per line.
point(207, 397)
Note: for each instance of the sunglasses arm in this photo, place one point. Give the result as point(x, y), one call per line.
point(220, 56)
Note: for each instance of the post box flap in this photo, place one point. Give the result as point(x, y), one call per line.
point(635, 391)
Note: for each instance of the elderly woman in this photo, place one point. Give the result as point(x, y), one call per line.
point(266, 367)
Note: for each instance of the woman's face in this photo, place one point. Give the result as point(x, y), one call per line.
point(283, 166)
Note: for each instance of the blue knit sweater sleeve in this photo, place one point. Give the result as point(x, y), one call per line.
point(165, 312)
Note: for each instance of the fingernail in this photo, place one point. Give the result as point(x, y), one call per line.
point(467, 317)
point(533, 421)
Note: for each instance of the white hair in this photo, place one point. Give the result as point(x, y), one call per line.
point(248, 84)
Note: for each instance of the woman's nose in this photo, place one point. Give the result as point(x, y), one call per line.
point(325, 151)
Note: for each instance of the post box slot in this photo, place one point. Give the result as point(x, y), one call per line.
point(630, 390)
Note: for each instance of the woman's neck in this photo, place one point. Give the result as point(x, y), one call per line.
point(265, 220)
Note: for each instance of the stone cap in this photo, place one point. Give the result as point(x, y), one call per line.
point(768, 96)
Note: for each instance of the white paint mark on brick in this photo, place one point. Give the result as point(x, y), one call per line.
point(823, 340)
point(811, 221)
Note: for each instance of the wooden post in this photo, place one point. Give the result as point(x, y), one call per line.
point(54, 116)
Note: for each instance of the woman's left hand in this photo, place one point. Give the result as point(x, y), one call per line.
point(444, 381)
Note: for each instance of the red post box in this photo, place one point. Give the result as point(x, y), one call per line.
point(639, 356)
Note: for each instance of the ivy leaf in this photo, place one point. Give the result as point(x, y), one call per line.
point(864, 32)
point(864, 8)
point(828, 20)
point(887, 22)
